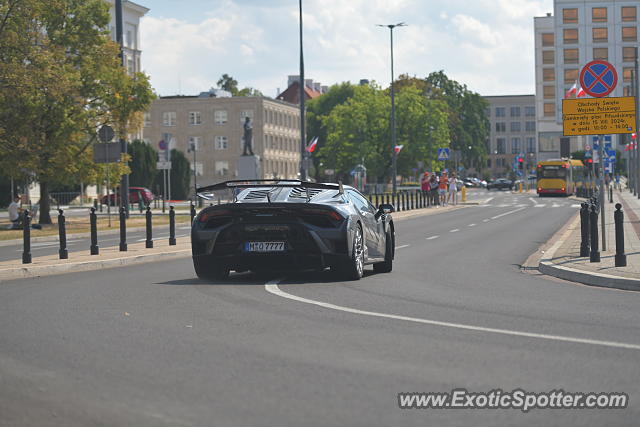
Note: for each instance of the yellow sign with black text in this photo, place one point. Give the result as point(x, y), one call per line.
point(595, 116)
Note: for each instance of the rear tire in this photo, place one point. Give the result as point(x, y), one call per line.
point(208, 271)
point(387, 265)
point(354, 267)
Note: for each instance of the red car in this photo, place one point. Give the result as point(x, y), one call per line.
point(135, 193)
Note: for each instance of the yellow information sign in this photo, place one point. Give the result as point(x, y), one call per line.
point(595, 116)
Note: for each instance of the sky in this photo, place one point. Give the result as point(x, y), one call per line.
point(486, 44)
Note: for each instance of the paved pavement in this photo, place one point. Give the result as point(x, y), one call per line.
point(151, 345)
point(563, 260)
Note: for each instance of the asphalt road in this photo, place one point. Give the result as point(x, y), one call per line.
point(151, 345)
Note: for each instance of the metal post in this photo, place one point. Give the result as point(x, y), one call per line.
point(149, 242)
point(611, 192)
point(93, 219)
point(62, 233)
point(636, 93)
point(584, 229)
point(601, 195)
point(26, 235)
point(594, 255)
point(618, 217)
point(393, 123)
point(123, 229)
point(303, 144)
point(192, 211)
point(172, 226)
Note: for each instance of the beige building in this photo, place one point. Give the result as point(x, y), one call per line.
point(213, 123)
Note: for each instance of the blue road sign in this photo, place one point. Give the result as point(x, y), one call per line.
point(598, 78)
point(443, 154)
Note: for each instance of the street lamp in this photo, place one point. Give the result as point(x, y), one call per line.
point(393, 107)
point(194, 147)
point(303, 142)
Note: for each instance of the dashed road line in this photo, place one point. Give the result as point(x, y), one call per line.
point(472, 225)
point(432, 237)
point(455, 230)
point(402, 246)
point(486, 220)
point(507, 213)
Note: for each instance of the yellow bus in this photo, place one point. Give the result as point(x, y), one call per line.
point(560, 177)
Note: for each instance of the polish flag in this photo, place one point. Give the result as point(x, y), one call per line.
point(581, 93)
point(312, 145)
point(572, 90)
point(397, 148)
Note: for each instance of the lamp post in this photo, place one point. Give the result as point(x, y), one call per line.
point(303, 142)
point(393, 108)
point(193, 147)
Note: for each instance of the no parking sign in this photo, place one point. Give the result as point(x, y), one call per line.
point(598, 78)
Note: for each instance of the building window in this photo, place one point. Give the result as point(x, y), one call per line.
point(548, 74)
point(601, 53)
point(222, 167)
point(220, 117)
point(147, 120)
point(489, 163)
point(549, 143)
point(549, 109)
point(194, 143)
point(530, 126)
point(548, 39)
point(169, 118)
point(549, 92)
point(515, 127)
point(194, 118)
point(627, 72)
point(599, 14)
point(570, 35)
point(571, 56)
point(629, 34)
point(629, 13)
point(501, 127)
point(570, 75)
point(569, 16)
point(515, 111)
point(244, 114)
point(198, 168)
point(501, 111)
point(548, 57)
point(628, 54)
point(515, 145)
point(626, 91)
point(222, 143)
point(600, 35)
point(531, 145)
point(500, 145)
point(530, 111)
point(487, 112)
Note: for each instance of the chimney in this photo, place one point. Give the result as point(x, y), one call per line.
point(316, 86)
point(293, 79)
point(308, 83)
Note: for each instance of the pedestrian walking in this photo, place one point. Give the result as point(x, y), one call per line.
point(453, 190)
point(424, 186)
point(433, 189)
point(14, 213)
point(442, 188)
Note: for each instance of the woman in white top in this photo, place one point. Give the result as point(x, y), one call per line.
point(453, 190)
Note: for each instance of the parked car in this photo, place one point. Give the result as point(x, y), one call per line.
point(134, 196)
point(284, 225)
point(500, 184)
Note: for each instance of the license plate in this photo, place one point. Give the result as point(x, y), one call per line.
point(264, 246)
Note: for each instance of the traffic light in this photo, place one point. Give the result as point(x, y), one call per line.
point(589, 163)
point(520, 163)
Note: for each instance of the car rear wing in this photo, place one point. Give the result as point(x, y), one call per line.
point(234, 185)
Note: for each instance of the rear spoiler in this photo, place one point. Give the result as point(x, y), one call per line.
point(269, 183)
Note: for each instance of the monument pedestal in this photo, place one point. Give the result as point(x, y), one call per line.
point(249, 167)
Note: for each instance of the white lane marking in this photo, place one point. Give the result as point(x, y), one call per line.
point(432, 237)
point(455, 230)
point(576, 206)
point(486, 220)
point(489, 199)
point(507, 213)
point(472, 225)
point(555, 205)
point(402, 246)
point(534, 201)
point(272, 287)
point(540, 206)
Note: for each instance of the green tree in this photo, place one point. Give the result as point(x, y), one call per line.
point(228, 83)
point(180, 175)
point(143, 164)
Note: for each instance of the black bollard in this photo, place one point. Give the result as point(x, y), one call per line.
point(593, 223)
point(370, 198)
point(123, 229)
point(149, 242)
point(26, 234)
point(62, 233)
point(404, 200)
point(618, 217)
point(412, 200)
point(172, 226)
point(192, 210)
point(584, 230)
point(93, 220)
point(610, 193)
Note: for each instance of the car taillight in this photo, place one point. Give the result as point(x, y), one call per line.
point(562, 188)
point(330, 213)
point(539, 189)
point(205, 217)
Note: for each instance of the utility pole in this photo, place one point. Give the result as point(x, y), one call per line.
point(303, 142)
point(124, 183)
point(634, 80)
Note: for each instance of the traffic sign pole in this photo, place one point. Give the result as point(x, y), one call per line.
point(602, 190)
point(634, 80)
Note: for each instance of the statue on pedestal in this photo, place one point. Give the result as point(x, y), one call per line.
point(248, 136)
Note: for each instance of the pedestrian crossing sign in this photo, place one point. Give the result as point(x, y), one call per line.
point(443, 154)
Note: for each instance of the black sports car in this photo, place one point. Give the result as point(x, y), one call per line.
point(289, 224)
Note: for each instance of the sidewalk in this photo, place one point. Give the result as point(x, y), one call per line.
point(137, 253)
point(563, 259)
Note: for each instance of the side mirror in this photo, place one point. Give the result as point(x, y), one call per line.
point(384, 208)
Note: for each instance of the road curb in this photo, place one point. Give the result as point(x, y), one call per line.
point(49, 270)
point(546, 266)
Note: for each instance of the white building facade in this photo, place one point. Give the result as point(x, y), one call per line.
point(131, 15)
point(576, 33)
